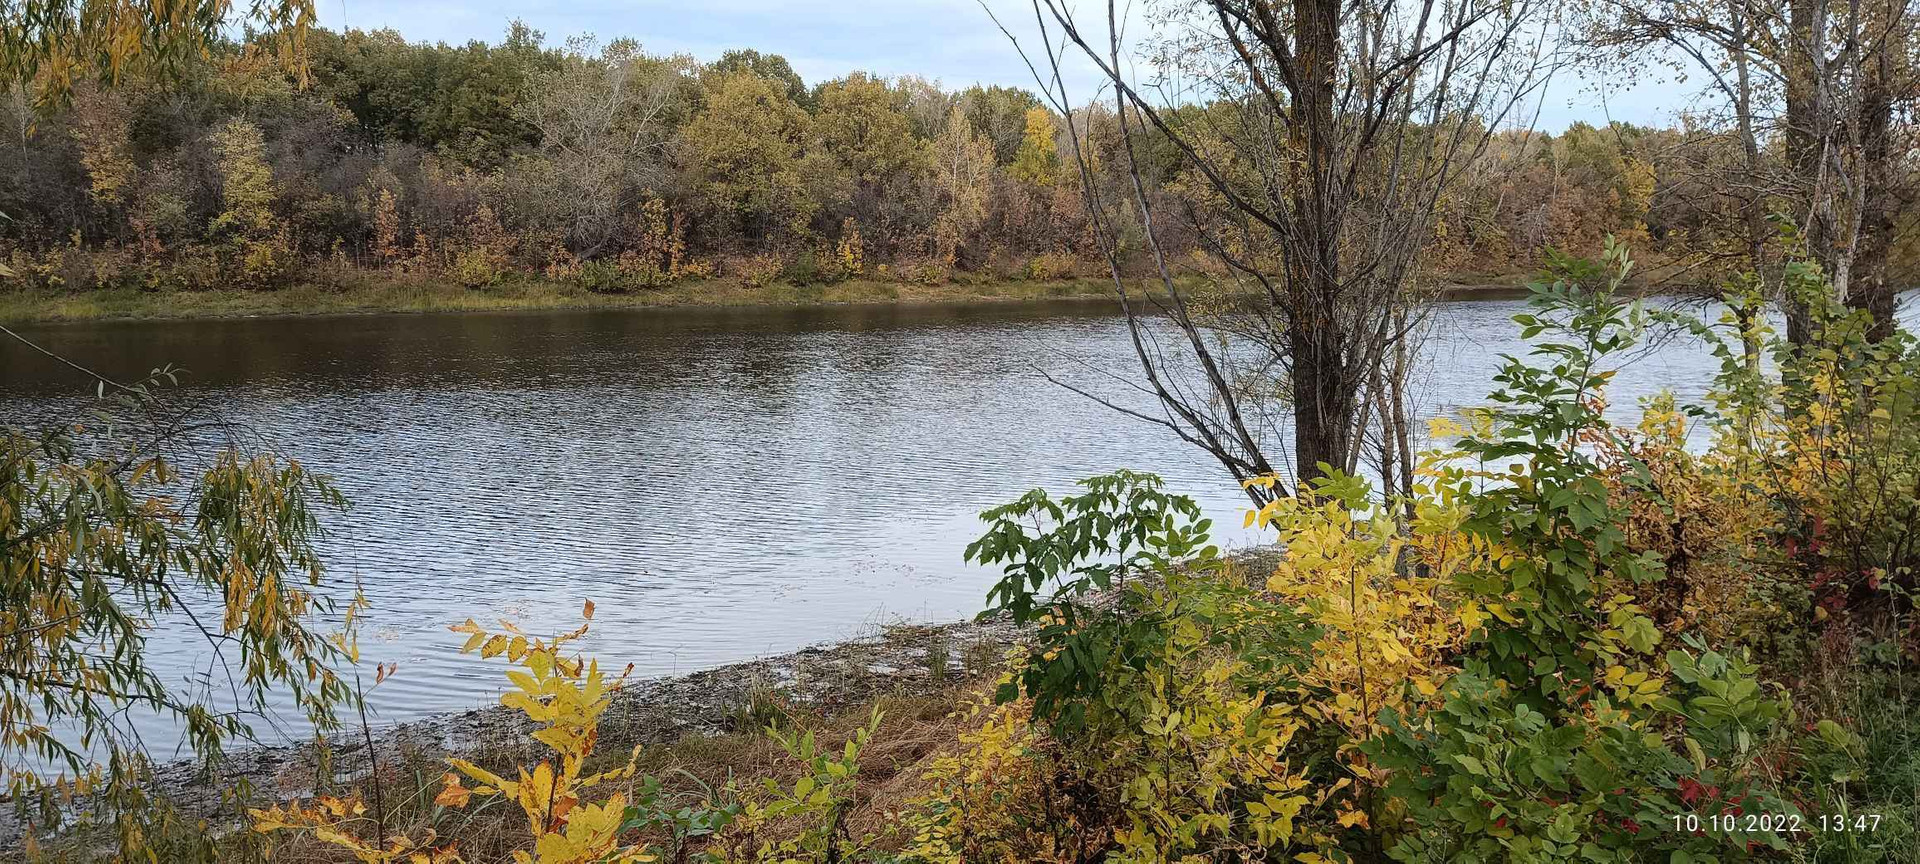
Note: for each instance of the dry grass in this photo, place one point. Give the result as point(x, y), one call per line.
point(363, 292)
point(368, 294)
point(695, 768)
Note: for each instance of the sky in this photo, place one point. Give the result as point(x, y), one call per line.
point(952, 41)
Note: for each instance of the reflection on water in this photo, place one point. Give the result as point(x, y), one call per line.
point(722, 484)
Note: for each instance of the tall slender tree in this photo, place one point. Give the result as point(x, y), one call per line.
point(1332, 128)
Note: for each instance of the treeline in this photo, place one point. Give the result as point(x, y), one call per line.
point(606, 167)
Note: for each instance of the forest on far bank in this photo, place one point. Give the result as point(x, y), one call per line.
point(599, 165)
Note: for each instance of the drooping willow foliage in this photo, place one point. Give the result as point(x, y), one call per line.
point(106, 536)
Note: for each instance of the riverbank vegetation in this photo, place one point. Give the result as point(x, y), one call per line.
point(596, 168)
point(369, 293)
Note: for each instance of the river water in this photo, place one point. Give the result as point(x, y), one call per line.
point(722, 484)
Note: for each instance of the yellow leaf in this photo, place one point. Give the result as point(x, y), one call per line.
point(333, 837)
point(534, 792)
point(454, 794)
point(592, 827)
point(557, 849)
point(535, 711)
point(483, 775)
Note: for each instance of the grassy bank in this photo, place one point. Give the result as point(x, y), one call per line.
point(366, 294)
point(421, 295)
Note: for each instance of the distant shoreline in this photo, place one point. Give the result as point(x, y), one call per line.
point(405, 294)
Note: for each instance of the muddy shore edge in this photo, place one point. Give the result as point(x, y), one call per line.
point(900, 660)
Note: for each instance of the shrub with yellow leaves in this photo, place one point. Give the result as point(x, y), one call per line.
point(1203, 768)
point(1166, 713)
point(336, 821)
point(988, 798)
point(1184, 756)
point(564, 696)
point(1375, 596)
point(1827, 443)
point(1383, 622)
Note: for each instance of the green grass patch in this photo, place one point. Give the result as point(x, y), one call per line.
point(405, 294)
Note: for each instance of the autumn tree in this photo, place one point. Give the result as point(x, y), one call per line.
point(1037, 162)
point(1000, 113)
point(962, 161)
point(386, 228)
point(1882, 55)
point(604, 118)
point(101, 130)
point(1811, 90)
point(858, 123)
point(459, 101)
point(772, 67)
point(48, 46)
point(868, 160)
point(924, 103)
point(247, 225)
point(742, 155)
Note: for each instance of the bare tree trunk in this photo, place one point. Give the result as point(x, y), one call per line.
point(1870, 289)
point(1323, 403)
point(1402, 428)
point(1805, 138)
point(1745, 308)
